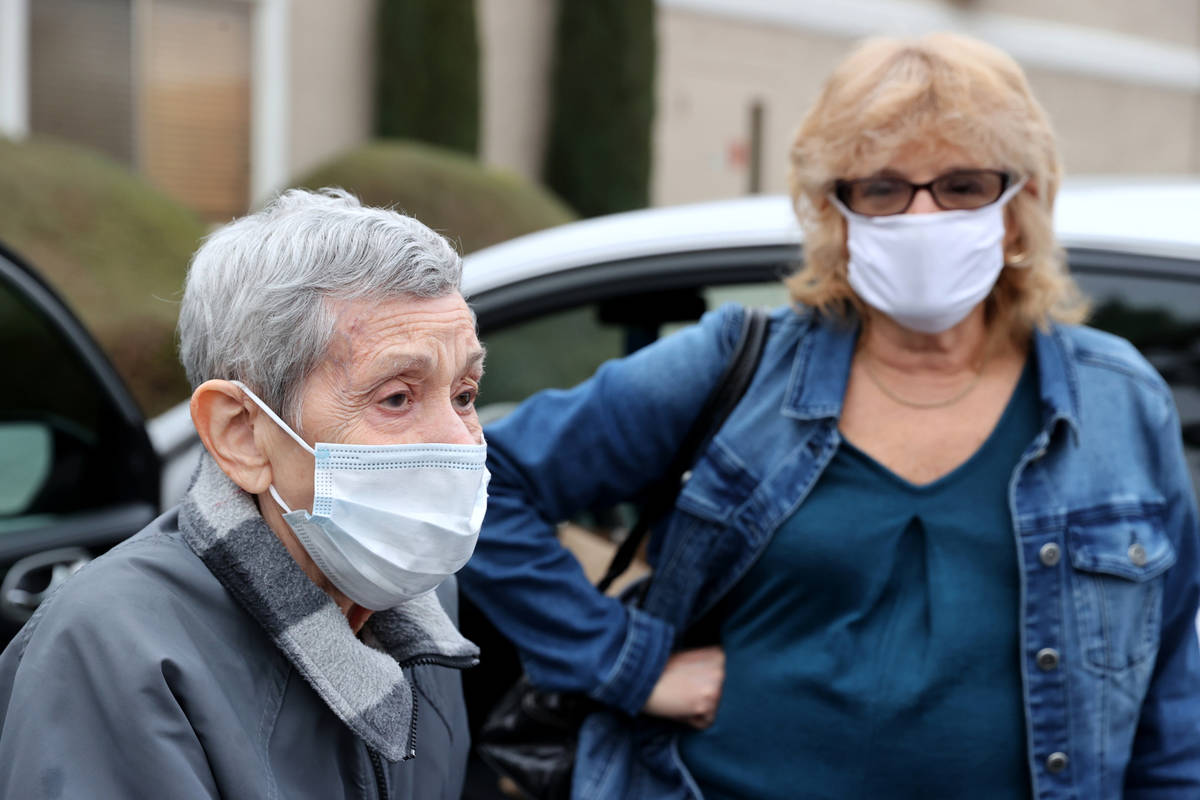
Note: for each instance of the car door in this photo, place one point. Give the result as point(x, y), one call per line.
point(77, 471)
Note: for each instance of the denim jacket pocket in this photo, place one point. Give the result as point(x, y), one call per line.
point(1117, 586)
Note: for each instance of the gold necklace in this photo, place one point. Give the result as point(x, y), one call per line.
point(866, 363)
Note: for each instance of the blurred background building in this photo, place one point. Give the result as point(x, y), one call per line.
point(1120, 79)
point(221, 102)
point(218, 102)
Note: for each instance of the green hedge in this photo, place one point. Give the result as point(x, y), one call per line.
point(473, 205)
point(602, 105)
point(115, 248)
point(427, 62)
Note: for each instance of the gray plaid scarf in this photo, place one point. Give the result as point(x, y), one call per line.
point(361, 680)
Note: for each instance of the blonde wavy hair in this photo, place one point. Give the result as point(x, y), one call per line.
point(937, 90)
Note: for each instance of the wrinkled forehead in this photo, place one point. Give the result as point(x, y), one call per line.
point(364, 328)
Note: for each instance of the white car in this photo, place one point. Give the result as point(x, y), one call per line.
point(80, 470)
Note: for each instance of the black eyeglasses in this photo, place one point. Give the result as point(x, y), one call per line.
point(960, 190)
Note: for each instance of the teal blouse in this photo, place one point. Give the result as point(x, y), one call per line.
point(878, 632)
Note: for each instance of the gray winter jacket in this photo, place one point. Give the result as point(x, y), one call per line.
point(197, 660)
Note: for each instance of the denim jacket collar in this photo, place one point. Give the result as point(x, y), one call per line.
point(822, 367)
point(1057, 379)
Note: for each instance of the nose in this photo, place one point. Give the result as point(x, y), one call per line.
point(446, 425)
point(922, 203)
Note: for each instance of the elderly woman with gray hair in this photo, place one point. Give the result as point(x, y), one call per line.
point(276, 633)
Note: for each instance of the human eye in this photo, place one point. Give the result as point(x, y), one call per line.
point(396, 401)
point(963, 184)
point(968, 188)
point(466, 398)
point(879, 195)
point(879, 188)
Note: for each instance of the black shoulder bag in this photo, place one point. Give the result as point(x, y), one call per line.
point(530, 735)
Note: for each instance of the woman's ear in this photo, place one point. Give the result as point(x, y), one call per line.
point(225, 421)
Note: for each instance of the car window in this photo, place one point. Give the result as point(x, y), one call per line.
point(552, 351)
point(751, 295)
point(54, 419)
point(769, 295)
point(26, 455)
point(561, 349)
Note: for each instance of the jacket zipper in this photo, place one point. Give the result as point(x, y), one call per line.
point(456, 662)
point(380, 775)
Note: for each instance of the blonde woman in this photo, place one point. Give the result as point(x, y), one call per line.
point(948, 538)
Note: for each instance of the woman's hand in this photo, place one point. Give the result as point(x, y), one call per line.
point(690, 687)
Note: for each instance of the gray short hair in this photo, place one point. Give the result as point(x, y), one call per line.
point(255, 304)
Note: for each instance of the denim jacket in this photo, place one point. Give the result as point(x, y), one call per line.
point(1104, 519)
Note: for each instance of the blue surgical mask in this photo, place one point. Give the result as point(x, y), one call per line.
point(389, 522)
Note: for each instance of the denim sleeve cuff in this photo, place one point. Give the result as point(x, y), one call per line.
point(639, 664)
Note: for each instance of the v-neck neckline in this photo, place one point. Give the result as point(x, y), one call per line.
point(1027, 374)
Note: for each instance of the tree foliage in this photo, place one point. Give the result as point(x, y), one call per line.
point(474, 205)
point(602, 105)
point(427, 79)
point(113, 245)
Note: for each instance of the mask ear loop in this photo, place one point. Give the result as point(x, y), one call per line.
point(275, 495)
point(842, 209)
point(1021, 259)
point(286, 428)
point(274, 417)
point(1011, 192)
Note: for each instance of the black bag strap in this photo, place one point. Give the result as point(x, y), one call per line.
point(730, 387)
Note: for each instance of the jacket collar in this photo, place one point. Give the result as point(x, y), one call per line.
point(821, 369)
point(1058, 380)
point(362, 680)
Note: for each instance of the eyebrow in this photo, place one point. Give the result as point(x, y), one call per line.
point(422, 363)
point(890, 172)
point(476, 359)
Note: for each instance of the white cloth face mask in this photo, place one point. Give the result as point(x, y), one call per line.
point(926, 271)
point(389, 522)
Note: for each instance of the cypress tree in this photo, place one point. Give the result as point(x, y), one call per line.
point(602, 105)
point(427, 79)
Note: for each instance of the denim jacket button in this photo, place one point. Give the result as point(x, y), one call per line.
point(1047, 659)
point(1050, 554)
point(1137, 554)
point(1056, 762)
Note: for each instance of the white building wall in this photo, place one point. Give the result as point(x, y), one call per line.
point(711, 72)
point(1123, 99)
point(332, 80)
point(1174, 22)
point(14, 68)
point(516, 44)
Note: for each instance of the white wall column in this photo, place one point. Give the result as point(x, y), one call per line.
point(270, 132)
point(14, 68)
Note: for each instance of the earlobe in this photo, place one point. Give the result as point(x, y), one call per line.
point(225, 423)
